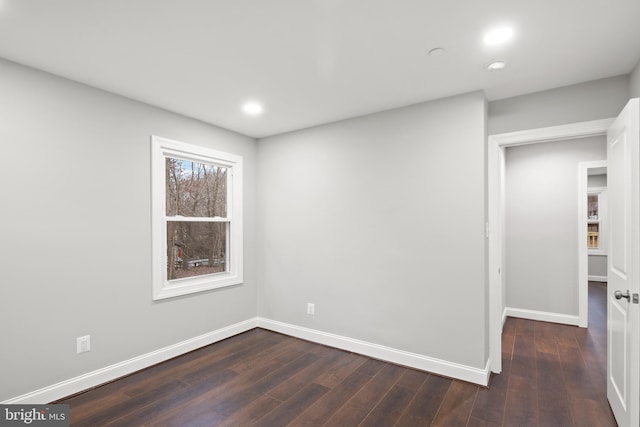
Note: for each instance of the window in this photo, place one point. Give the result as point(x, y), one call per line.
point(196, 217)
point(596, 210)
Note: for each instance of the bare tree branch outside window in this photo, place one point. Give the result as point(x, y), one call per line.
point(196, 208)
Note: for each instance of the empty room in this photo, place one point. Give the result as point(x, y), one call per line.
point(320, 213)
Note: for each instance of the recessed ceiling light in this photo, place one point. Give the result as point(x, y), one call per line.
point(436, 51)
point(252, 108)
point(498, 36)
point(496, 65)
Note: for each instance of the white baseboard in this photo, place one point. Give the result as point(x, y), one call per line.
point(117, 370)
point(110, 373)
point(597, 278)
point(543, 316)
point(504, 316)
point(400, 357)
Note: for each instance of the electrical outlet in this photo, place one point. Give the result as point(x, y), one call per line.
point(311, 308)
point(83, 344)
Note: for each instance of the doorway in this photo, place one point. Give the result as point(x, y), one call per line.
point(496, 224)
point(592, 223)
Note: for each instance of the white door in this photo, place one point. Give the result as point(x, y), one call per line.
point(623, 311)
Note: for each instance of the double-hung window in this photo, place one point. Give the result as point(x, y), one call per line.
point(196, 217)
point(596, 220)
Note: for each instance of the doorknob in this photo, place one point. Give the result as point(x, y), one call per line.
point(620, 295)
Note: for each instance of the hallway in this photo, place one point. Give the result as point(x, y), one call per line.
point(553, 375)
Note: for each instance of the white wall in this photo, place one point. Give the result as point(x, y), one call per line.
point(379, 221)
point(593, 100)
point(634, 86)
point(596, 181)
point(597, 266)
point(75, 231)
point(541, 223)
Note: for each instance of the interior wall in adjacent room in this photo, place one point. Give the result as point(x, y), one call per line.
point(541, 223)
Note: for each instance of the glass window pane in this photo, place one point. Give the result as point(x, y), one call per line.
point(196, 248)
point(593, 209)
point(593, 234)
point(195, 189)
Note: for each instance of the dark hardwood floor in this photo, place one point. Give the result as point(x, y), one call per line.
point(553, 375)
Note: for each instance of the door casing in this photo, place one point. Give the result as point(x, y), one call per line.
point(497, 145)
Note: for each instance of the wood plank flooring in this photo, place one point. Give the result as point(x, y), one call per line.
point(553, 375)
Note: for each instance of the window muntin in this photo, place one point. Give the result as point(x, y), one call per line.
point(197, 225)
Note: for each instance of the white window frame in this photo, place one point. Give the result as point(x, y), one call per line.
point(161, 148)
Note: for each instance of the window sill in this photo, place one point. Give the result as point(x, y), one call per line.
point(181, 287)
point(596, 252)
